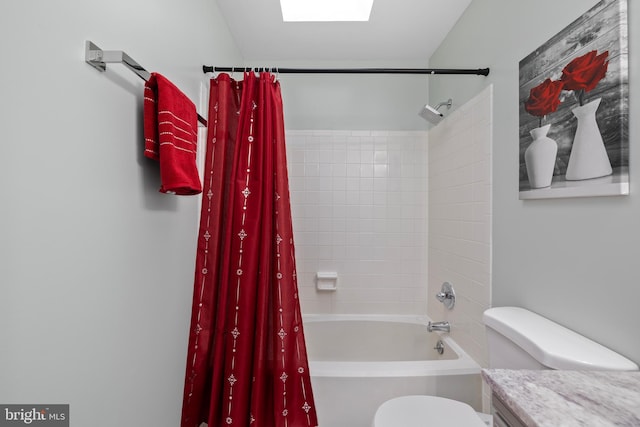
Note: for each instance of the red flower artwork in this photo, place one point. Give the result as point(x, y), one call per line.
point(544, 98)
point(585, 72)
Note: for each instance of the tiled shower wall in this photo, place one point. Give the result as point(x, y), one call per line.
point(359, 207)
point(460, 220)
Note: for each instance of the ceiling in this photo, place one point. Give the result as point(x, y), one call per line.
point(398, 30)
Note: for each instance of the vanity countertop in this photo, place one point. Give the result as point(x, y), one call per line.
point(568, 398)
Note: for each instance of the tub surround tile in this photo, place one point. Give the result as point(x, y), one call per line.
point(359, 207)
point(568, 398)
point(459, 220)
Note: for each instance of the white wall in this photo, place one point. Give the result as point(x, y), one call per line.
point(572, 260)
point(96, 267)
point(359, 209)
point(460, 153)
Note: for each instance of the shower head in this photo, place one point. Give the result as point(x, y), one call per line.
point(432, 114)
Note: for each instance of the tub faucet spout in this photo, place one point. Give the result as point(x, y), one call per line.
point(439, 326)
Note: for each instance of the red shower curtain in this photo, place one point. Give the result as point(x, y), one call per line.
point(247, 361)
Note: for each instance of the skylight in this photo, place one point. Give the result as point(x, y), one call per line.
point(325, 10)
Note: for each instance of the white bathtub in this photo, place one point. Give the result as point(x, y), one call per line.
point(357, 362)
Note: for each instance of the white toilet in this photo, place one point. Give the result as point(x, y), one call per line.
point(517, 339)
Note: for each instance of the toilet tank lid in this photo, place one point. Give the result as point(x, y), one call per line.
point(552, 344)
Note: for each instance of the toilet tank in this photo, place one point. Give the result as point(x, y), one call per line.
point(521, 339)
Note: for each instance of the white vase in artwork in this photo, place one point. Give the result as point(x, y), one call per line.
point(540, 157)
point(588, 158)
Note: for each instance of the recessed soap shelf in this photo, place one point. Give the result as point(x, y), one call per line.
point(327, 281)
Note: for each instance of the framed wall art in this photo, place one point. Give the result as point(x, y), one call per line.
point(574, 109)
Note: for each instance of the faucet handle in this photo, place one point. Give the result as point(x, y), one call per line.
point(447, 296)
point(442, 296)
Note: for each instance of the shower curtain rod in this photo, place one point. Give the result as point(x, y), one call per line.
point(479, 71)
point(99, 58)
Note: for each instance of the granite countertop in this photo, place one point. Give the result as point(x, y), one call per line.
point(569, 398)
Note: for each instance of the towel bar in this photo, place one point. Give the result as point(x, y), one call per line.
point(99, 58)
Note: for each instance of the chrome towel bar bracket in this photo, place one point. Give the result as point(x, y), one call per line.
point(99, 59)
